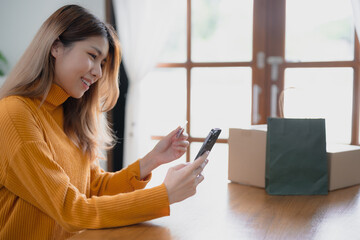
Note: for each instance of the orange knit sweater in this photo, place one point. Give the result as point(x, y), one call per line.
point(49, 190)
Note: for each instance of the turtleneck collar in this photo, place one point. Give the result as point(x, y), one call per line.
point(57, 95)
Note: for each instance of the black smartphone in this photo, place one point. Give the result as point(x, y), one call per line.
point(209, 141)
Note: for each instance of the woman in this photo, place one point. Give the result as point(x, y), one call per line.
point(51, 137)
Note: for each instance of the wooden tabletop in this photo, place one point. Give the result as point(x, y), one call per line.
point(224, 210)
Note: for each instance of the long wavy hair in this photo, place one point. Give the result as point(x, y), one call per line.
point(33, 75)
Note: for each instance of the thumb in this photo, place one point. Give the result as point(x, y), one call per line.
point(180, 166)
point(173, 133)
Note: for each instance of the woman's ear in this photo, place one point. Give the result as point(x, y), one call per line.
point(56, 48)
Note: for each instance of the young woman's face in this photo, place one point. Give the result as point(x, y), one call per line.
point(80, 65)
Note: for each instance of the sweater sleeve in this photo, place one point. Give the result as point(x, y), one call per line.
point(28, 170)
point(34, 177)
point(125, 180)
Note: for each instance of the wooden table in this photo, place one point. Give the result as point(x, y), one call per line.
point(224, 210)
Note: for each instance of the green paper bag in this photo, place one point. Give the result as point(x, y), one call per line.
point(296, 160)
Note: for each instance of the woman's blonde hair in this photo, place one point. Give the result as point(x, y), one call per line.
point(33, 76)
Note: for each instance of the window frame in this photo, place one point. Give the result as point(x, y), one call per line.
point(269, 38)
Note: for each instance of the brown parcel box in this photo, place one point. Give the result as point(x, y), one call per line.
point(247, 156)
point(344, 165)
point(247, 153)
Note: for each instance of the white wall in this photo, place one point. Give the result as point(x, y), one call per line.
point(21, 19)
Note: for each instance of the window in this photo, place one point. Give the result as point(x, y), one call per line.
point(319, 64)
point(228, 62)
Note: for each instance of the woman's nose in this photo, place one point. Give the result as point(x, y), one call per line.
point(97, 71)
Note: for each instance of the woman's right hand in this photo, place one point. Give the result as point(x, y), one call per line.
point(181, 181)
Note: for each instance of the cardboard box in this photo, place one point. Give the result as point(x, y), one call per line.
point(344, 166)
point(247, 152)
point(247, 156)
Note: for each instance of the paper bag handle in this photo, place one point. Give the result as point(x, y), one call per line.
point(281, 102)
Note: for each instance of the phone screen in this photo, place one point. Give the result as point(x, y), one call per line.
point(209, 141)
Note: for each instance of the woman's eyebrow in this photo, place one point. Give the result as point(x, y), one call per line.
point(97, 50)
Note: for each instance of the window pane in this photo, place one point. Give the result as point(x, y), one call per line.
point(220, 97)
point(321, 93)
point(162, 104)
point(221, 30)
point(175, 48)
point(320, 30)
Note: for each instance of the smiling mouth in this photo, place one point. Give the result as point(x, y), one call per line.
point(87, 83)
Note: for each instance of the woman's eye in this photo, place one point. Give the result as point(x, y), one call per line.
point(92, 55)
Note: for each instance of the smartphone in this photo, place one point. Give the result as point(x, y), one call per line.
point(209, 141)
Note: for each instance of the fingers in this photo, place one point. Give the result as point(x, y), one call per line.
point(181, 144)
point(180, 166)
point(200, 160)
point(182, 180)
point(195, 169)
point(199, 179)
point(199, 169)
point(174, 133)
point(181, 129)
point(181, 134)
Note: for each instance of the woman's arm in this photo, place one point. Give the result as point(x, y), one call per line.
point(138, 174)
point(111, 183)
point(33, 176)
point(29, 171)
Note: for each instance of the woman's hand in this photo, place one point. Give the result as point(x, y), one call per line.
point(170, 148)
point(181, 181)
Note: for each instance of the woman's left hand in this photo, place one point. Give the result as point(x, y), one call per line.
point(168, 149)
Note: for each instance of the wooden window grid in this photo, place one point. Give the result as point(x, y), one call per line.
point(268, 37)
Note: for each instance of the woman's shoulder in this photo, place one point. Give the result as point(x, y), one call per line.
point(18, 117)
point(15, 105)
point(14, 99)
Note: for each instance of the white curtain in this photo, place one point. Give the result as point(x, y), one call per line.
point(356, 13)
point(143, 28)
